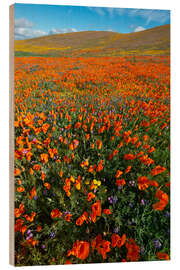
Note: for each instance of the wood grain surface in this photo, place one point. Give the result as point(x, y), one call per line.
point(11, 135)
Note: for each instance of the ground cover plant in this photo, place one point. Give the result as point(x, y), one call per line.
point(92, 159)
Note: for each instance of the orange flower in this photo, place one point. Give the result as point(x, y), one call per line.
point(17, 172)
point(118, 241)
point(120, 182)
point(122, 241)
point(32, 193)
point(96, 210)
point(36, 167)
point(104, 249)
point(163, 200)
point(107, 211)
point(80, 250)
point(145, 137)
point(162, 256)
point(129, 157)
point(79, 221)
point(91, 169)
point(39, 228)
point(43, 176)
point(99, 144)
point(68, 262)
point(45, 128)
point(157, 170)
point(77, 125)
point(128, 169)
point(90, 196)
point(75, 144)
point(31, 171)
point(118, 173)
point(31, 217)
point(44, 158)
point(28, 156)
point(47, 185)
point(56, 213)
point(133, 250)
point(143, 182)
point(100, 166)
point(23, 229)
point(61, 173)
point(85, 163)
point(114, 239)
point(19, 211)
point(67, 217)
point(20, 189)
point(82, 218)
point(152, 149)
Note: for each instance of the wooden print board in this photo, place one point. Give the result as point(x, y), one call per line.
point(89, 135)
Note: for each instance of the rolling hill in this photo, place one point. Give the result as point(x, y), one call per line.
point(154, 41)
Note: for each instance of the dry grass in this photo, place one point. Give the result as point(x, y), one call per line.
point(153, 41)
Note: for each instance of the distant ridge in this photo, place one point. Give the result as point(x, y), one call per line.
point(98, 43)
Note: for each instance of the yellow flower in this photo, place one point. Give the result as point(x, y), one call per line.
point(95, 181)
point(98, 183)
point(87, 182)
point(72, 179)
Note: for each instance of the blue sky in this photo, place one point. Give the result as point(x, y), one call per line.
point(38, 20)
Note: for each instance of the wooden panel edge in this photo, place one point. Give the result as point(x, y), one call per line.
point(11, 136)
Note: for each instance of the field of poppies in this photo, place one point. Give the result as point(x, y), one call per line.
point(92, 159)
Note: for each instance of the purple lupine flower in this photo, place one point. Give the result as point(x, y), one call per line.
point(157, 243)
point(132, 183)
point(95, 190)
point(130, 205)
point(35, 197)
point(28, 237)
point(142, 202)
point(52, 235)
point(28, 231)
point(167, 214)
point(115, 199)
point(67, 212)
point(116, 230)
point(119, 187)
point(142, 250)
point(147, 202)
point(25, 151)
point(43, 246)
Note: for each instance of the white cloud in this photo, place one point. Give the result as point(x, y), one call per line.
point(110, 30)
point(98, 10)
point(61, 31)
point(25, 33)
point(24, 29)
point(111, 11)
point(155, 15)
point(22, 22)
point(139, 28)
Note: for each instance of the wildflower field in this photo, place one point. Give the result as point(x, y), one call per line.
point(92, 159)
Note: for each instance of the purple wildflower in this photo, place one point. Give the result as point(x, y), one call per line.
point(157, 243)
